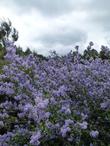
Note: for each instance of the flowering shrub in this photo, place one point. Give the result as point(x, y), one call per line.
point(54, 102)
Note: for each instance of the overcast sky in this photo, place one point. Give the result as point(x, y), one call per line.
point(58, 25)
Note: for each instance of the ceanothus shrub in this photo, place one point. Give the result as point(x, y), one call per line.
point(54, 102)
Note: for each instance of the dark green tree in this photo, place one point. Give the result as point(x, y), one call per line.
point(90, 52)
point(7, 32)
point(19, 51)
point(27, 52)
point(104, 53)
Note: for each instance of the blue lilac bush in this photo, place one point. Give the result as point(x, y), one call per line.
point(62, 101)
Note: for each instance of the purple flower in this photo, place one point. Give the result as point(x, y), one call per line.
point(83, 125)
point(64, 130)
point(94, 133)
point(35, 138)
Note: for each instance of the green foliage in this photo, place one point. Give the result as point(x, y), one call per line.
point(20, 140)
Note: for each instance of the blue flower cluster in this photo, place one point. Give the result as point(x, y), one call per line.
point(55, 101)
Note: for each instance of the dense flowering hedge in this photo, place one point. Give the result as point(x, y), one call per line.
point(62, 101)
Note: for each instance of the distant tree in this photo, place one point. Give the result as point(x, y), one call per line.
point(39, 56)
point(7, 32)
point(20, 51)
point(105, 52)
point(90, 52)
point(76, 50)
point(27, 52)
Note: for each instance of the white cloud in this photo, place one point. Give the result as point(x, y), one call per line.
point(46, 25)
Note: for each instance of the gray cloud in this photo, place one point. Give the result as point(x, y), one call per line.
point(101, 5)
point(99, 13)
point(46, 7)
point(66, 38)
